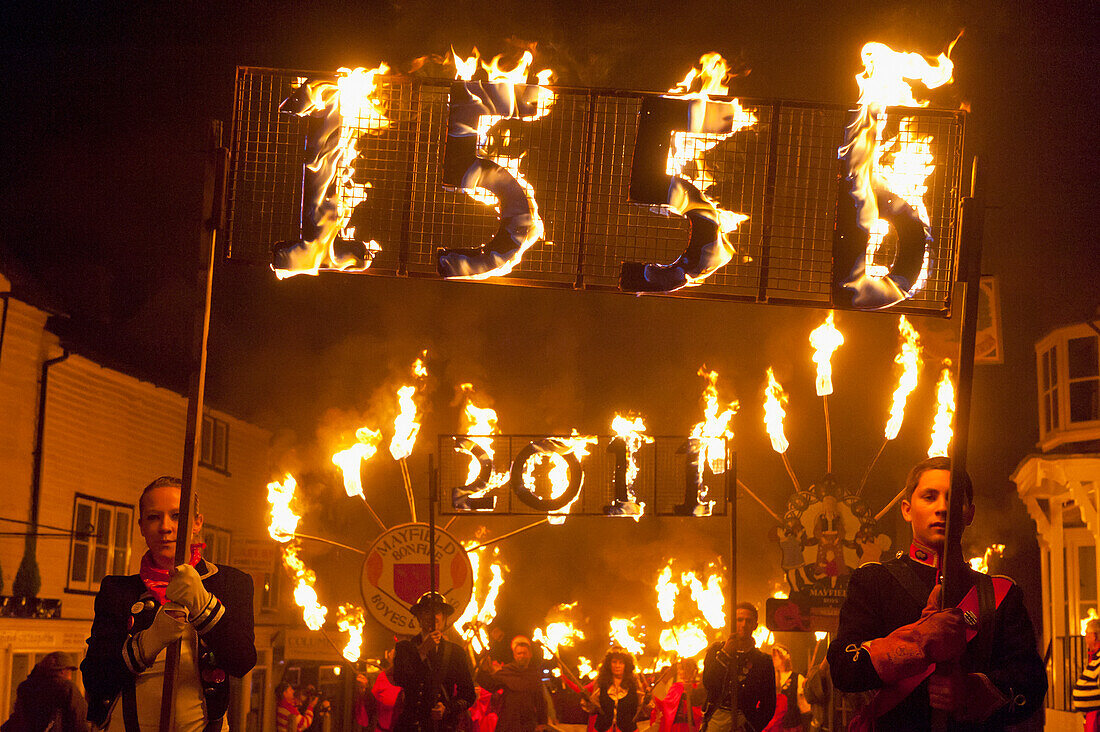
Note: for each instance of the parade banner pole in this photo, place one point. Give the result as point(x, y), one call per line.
point(432, 580)
point(216, 159)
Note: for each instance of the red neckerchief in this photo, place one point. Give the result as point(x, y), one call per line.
point(156, 579)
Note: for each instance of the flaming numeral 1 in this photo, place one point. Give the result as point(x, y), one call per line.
point(695, 483)
point(625, 502)
point(471, 497)
point(695, 125)
point(476, 108)
point(526, 493)
point(321, 245)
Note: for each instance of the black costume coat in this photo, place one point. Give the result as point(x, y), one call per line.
point(123, 607)
point(755, 693)
point(414, 675)
point(877, 604)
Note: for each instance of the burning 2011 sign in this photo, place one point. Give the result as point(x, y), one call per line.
point(499, 176)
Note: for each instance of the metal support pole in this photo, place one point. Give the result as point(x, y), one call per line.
point(433, 580)
point(216, 158)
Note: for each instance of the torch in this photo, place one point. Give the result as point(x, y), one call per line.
point(825, 339)
point(909, 358)
point(774, 399)
point(405, 429)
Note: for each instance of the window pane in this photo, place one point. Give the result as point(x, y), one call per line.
point(99, 563)
point(1082, 357)
point(1046, 414)
point(80, 562)
point(1083, 405)
point(207, 453)
point(103, 526)
point(122, 541)
point(221, 444)
point(1054, 366)
point(1086, 568)
point(1055, 419)
point(1046, 370)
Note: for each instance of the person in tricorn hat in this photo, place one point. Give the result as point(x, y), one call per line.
point(48, 697)
point(433, 672)
point(893, 634)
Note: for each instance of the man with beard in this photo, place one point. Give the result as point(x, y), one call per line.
point(521, 704)
point(434, 673)
point(978, 666)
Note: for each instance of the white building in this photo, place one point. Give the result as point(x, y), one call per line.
point(78, 441)
point(1059, 487)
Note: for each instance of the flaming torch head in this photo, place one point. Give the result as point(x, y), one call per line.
point(714, 430)
point(825, 339)
point(774, 400)
point(945, 413)
point(405, 426)
point(909, 358)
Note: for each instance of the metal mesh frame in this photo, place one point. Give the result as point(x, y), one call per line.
point(660, 483)
point(782, 172)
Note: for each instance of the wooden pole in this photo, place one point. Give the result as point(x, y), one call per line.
point(215, 159)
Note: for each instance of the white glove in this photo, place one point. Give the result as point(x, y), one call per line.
point(164, 629)
point(185, 587)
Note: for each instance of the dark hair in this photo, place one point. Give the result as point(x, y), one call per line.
point(165, 481)
point(281, 688)
point(604, 677)
point(751, 608)
point(935, 463)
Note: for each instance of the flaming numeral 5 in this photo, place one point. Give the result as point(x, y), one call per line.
point(667, 174)
point(469, 165)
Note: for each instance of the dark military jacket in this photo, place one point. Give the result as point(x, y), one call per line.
point(756, 691)
point(877, 604)
point(449, 666)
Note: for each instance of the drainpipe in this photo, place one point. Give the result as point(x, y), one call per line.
point(28, 580)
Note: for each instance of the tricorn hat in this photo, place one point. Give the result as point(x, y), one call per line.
point(56, 661)
point(431, 602)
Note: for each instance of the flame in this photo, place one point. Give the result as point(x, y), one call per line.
point(714, 430)
point(981, 564)
point(685, 641)
point(763, 637)
point(557, 634)
point(558, 474)
point(351, 99)
point(774, 401)
point(901, 163)
point(349, 619)
point(283, 520)
point(825, 339)
point(479, 423)
point(1085, 620)
point(666, 594)
point(780, 595)
point(405, 426)
point(632, 431)
point(945, 412)
point(621, 636)
point(687, 151)
point(313, 612)
point(478, 614)
point(709, 598)
point(584, 667)
point(820, 635)
point(349, 460)
point(909, 358)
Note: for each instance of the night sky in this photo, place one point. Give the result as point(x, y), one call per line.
point(105, 112)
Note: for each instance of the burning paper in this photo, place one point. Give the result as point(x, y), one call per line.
point(774, 401)
point(945, 413)
point(909, 358)
point(825, 339)
point(350, 460)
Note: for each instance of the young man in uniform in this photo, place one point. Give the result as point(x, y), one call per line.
point(434, 673)
point(738, 661)
point(987, 672)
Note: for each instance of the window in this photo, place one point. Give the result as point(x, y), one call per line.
point(1084, 379)
point(215, 444)
point(217, 544)
point(1048, 381)
point(101, 542)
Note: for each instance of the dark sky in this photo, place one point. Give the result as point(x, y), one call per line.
point(105, 109)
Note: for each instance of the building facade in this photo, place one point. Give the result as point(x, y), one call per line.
point(79, 441)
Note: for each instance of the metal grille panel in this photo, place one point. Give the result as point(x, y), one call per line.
point(782, 173)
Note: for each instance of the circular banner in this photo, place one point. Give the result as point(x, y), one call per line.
point(397, 571)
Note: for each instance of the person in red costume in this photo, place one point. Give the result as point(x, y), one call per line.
point(679, 708)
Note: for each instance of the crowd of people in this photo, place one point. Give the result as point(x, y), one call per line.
point(913, 661)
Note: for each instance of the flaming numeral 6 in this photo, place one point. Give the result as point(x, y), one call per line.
point(671, 133)
point(470, 497)
point(476, 107)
